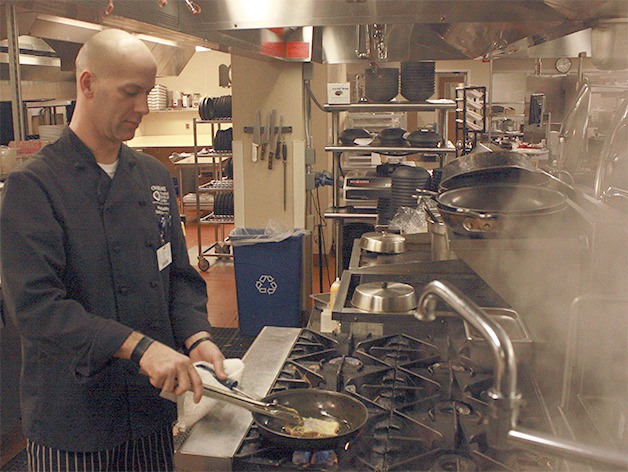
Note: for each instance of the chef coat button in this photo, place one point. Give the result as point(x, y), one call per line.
point(142, 203)
point(148, 243)
point(123, 290)
point(154, 284)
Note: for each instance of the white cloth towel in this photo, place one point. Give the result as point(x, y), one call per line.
point(188, 412)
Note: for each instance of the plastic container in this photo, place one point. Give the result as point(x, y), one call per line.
point(268, 277)
point(8, 160)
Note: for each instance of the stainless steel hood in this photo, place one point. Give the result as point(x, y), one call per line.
point(333, 31)
point(65, 36)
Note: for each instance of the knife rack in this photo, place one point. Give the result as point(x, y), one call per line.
point(284, 129)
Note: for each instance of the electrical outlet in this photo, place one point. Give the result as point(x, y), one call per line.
point(187, 126)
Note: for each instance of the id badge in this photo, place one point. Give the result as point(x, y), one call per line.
point(164, 256)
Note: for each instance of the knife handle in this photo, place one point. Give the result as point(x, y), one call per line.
point(284, 151)
point(254, 151)
point(262, 152)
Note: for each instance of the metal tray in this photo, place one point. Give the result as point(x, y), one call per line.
point(479, 350)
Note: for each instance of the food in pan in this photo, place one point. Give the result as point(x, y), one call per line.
point(314, 428)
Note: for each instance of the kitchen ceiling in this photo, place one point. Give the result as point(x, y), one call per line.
point(344, 31)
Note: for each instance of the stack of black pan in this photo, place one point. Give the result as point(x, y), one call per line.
point(222, 107)
point(381, 84)
point(215, 108)
point(223, 204)
point(417, 80)
point(223, 139)
point(383, 209)
point(405, 182)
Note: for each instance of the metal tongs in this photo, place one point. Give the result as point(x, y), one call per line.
point(242, 399)
point(280, 412)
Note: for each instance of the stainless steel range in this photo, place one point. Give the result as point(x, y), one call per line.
point(426, 401)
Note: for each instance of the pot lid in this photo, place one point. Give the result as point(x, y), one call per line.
point(383, 242)
point(384, 297)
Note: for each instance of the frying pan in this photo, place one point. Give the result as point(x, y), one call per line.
point(350, 413)
point(501, 167)
point(498, 209)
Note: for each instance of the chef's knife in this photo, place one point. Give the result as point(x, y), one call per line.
point(271, 139)
point(277, 144)
point(265, 138)
point(284, 155)
point(257, 138)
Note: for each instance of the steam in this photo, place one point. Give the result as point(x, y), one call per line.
point(543, 267)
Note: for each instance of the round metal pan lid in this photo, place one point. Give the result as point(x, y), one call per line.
point(384, 243)
point(385, 297)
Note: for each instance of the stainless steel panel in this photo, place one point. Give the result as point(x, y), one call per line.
point(215, 439)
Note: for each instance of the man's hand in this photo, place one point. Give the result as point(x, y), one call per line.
point(171, 371)
point(207, 351)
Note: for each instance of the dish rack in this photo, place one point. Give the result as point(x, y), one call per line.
point(218, 191)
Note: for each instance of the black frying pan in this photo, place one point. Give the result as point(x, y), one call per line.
point(277, 410)
point(347, 410)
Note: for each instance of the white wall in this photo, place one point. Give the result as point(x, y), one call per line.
point(200, 75)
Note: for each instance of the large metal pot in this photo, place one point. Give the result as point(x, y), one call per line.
point(350, 413)
point(502, 167)
point(500, 209)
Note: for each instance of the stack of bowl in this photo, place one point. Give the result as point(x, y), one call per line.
point(405, 182)
point(393, 137)
point(417, 80)
point(381, 83)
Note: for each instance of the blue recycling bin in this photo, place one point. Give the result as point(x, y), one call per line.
point(268, 276)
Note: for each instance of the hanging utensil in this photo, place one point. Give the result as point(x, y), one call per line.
point(277, 142)
point(271, 139)
point(265, 138)
point(257, 138)
point(284, 155)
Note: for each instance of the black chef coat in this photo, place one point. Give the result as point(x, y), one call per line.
point(79, 273)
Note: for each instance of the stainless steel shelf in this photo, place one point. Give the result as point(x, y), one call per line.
point(216, 120)
point(450, 148)
point(217, 219)
point(343, 214)
point(428, 105)
point(217, 186)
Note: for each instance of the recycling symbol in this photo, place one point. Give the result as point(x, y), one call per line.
point(266, 284)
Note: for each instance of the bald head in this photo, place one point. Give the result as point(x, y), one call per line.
point(109, 50)
point(115, 73)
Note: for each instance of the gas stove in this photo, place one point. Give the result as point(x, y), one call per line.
point(426, 401)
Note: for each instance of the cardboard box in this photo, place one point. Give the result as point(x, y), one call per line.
point(339, 93)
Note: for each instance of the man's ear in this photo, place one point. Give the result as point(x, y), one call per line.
point(86, 83)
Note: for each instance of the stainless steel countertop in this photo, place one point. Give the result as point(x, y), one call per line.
point(215, 439)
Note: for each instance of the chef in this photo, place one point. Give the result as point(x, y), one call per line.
point(96, 274)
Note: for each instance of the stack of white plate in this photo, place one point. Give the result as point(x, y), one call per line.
point(158, 98)
point(50, 133)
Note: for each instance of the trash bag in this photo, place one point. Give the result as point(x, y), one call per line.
point(273, 233)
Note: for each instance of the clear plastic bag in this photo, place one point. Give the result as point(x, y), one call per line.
point(409, 220)
point(273, 233)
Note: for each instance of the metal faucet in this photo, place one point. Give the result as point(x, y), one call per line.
point(504, 400)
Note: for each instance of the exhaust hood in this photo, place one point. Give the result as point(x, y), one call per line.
point(333, 31)
point(65, 36)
